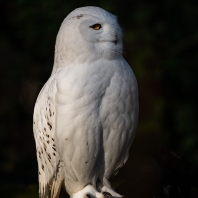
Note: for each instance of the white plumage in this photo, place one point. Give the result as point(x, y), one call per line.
point(86, 114)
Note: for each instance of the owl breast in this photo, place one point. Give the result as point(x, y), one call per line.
point(98, 114)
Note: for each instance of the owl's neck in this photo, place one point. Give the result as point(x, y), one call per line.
point(65, 58)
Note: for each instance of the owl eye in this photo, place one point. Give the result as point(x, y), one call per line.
point(96, 26)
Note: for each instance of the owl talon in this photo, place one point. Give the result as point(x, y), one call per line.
point(107, 195)
point(88, 196)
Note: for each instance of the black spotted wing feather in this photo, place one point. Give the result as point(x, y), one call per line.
point(49, 165)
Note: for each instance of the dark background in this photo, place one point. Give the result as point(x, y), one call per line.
point(160, 43)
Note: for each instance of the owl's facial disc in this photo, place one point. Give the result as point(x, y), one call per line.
point(96, 27)
point(103, 37)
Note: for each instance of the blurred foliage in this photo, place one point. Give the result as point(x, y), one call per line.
point(160, 43)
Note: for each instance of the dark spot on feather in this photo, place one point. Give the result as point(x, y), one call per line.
point(54, 148)
point(66, 138)
point(48, 141)
point(39, 173)
point(53, 113)
point(50, 126)
point(53, 145)
point(39, 154)
point(49, 156)
point(47, 135)
point(42, 166)
point(54, 154)
point(87, 143)
point(44, 129)
point(34, 122)
point(50, 113)
point(79, 16)
point(86, 162)
point(52, 139)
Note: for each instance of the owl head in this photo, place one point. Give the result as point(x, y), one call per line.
point(86, 35)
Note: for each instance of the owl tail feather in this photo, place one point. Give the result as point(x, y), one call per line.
point(55, 189)
point(57, 182)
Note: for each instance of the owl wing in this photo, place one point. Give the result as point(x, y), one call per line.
point(119, 115)
point(49, 165)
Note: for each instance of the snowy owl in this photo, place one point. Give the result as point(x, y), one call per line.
point(86, 114)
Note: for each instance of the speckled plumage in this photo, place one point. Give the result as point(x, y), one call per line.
point(86, 114)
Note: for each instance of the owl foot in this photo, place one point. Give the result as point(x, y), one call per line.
point(110, 193)
point(88, 192)
point(107, 195)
